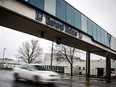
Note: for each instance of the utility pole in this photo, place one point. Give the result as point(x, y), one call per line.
point(51, 55)
point(3, 57)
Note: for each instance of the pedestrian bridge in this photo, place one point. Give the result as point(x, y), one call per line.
point(58, 21)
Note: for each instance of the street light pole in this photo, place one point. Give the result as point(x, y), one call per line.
point(3, 56)
point(51, 56)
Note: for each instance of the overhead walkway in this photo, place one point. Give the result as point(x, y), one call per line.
point(24, 17)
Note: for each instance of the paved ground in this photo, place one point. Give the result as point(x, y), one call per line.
point(6, 80)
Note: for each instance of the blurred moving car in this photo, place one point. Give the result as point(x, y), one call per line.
point(34, 73)
point(113, 74)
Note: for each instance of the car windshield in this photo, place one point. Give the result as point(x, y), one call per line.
point(27, 67)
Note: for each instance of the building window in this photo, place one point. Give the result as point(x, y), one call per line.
point(83, 68)
point(79, 68)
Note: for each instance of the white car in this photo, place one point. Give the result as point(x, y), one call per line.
point(34, 73)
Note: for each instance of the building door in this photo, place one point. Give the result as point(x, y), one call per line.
point(100, 72)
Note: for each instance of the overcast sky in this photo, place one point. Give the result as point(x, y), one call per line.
point(102, 12)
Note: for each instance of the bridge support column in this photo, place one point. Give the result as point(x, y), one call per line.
point(108, 68)
point(87, 65)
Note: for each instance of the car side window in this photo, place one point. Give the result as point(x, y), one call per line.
point(24, 67)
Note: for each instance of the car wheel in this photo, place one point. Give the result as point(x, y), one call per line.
point(35, 79)
point(16, 76)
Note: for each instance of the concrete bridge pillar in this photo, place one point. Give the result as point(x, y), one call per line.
point(108, 67)
point(87, 65)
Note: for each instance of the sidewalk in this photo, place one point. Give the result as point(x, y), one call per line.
point(79, 78)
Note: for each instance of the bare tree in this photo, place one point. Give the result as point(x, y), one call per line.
point(65, 53)
point(30, 52)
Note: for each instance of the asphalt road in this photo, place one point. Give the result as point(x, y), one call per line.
point(6, 80)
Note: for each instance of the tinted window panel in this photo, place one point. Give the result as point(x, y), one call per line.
point(94, 31)
point(77, 19)
point(113, 43)
point(89, 27)
point(50, 6)
point(37, 3)
point(109, 40)
point(106, 39)
point(84, 23)
point(102, 36)
point(98, 34)
point(69, 14)
point(60, 9)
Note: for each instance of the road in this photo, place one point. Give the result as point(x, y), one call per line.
point(6, 80)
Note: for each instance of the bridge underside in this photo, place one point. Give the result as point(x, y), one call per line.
point(20, 23)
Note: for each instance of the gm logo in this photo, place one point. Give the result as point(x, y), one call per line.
point(39, 15)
